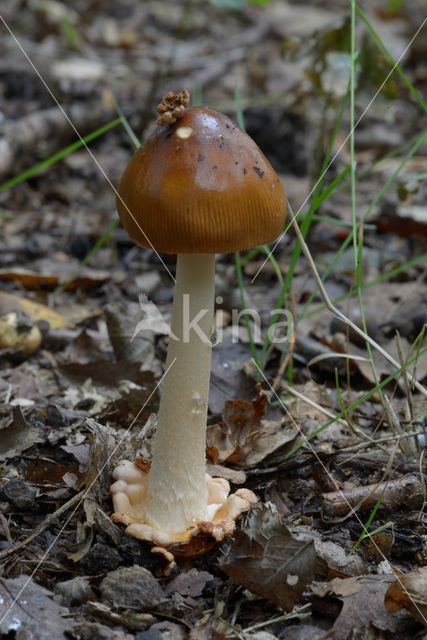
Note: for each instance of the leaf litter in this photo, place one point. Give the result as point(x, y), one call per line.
point(67, 405)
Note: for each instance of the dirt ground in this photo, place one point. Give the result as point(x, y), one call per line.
point(331, 436)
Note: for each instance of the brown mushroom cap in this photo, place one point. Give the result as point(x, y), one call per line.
point(201, 185)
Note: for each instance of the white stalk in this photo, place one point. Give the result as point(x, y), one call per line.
point(177, 492)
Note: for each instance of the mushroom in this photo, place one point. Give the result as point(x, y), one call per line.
point(198, 186)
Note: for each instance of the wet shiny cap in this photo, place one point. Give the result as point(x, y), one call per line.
point(200, 185)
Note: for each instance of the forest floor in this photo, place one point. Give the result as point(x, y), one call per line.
point(337, 546)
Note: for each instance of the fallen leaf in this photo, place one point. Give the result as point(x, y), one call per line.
point(134, 620)
point(362, 600)
point(125, 408)
point(339, 562)
point(304, 631)
point(403, 220)
point(228, 379)
point(96, 631)
point(409, 591)
point(34, 615)
point(85, 532)
point(383, 368)
point(33, 280)
point(129, 344)
point(243, 437)
point(267, 560)
point(29, 279)
point(191, 583)
point(17, 436)
point(84, 359)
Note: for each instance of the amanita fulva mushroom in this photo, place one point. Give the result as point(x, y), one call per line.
point(197, 187)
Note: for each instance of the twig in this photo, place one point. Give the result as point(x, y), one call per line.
point(44, 525)
point(5, 526)
point(423, 484)
point(341, 316)
point(406, 490)
point(411, 444)
point(363, 445)
point(298, 612)
point(278, 379)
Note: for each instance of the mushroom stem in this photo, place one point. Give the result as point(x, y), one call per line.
point(177, 490)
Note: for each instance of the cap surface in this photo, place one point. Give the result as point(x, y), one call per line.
point(201, 185)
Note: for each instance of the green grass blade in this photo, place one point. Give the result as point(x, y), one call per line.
point(379, 195)
point(125, 122)
point(390, 59)
point(365, 531)
point(56, 157)
point(315, 203)
point(357, 403)
point(388, 275)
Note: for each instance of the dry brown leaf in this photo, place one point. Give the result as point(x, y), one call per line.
point(35, 614)
point(383, 368)
point(17, 436)
point(29, 279)
point(403, 220)
point(190, 584)
point(363, 603)
point(340, 563)
point(33, 280)
point(228, 377)
point(409, 592)
point(243, 437)
point(268, 561)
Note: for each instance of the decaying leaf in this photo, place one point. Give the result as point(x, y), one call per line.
point(17, 436)
point(96, 631)
point(29, 279)
point(85, 533)
point(383, 368)
point(103, 446)
point(268, 561)
point(34, 609)
point(244, 437)
point(32, 280)
point(409, 591)
point(134, 620)
point(34, 310)
point(403, 220)
point(190, 584)
point(362, 603)
point(84, 358)
point(339, 563)
point(228, 377)
point(124, 408)
point(94, 519)
point(129, 344)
